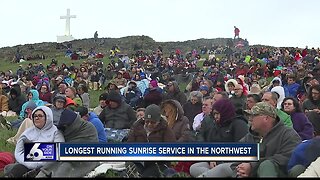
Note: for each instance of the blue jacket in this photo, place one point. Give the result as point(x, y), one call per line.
point(292, 89)
point(94, 119)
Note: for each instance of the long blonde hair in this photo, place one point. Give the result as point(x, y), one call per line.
point(171, 112)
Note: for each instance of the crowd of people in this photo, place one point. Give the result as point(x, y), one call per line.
point(264, 95)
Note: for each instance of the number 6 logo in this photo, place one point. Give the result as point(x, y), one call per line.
point(35, 153)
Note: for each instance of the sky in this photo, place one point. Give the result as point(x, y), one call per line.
point(280, 23)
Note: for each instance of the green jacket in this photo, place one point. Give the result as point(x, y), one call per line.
point(284, 117)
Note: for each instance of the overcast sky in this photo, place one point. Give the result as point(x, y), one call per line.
point(292, 23)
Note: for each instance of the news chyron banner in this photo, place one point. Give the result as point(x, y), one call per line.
point(141, 152)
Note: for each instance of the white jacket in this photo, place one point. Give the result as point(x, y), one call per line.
point(313, 170)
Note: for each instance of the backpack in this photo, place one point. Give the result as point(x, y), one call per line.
point(5, 159)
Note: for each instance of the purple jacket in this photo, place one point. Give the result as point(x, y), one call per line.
point(302, 125)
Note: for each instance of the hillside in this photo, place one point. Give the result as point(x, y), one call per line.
point(128, 45)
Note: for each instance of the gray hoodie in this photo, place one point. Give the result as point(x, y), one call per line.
point(49, 133)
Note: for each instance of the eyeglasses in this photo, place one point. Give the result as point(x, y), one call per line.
point(38, 116)
point(237, 89)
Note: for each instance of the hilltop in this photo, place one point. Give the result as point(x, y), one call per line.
point(127, 45)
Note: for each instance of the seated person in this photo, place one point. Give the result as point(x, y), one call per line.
point(74, 130)
point(43, 130)
point(93, 118)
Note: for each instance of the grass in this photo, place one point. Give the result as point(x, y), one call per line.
point(4, 135)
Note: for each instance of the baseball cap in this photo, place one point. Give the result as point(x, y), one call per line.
point(103, 96)
point(152, 112)
point(262, 108)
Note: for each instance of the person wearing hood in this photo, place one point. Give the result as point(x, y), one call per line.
point(153, 94)
point(33, 95)
point(279, 90)
point(44, 93)
point(74, 130)
point(43, 130)
point(173, 92)
point(230, 86)
point(223, 125)
point(93, 118)
point(118, 114)
point(16, 99)
point(239, 99)
point(277, 142)
point(132, 94)
point(59, 104)
point(177, 121)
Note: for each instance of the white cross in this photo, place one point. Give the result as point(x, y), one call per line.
point(67, 17)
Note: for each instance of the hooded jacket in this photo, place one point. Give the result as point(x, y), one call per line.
point(49, 133)
point(35, 99)
point(180, 127)
point(102, 136)
point(16, 103)
point(74, 130)
point(279, 90)
point(233, 81)
point(277, 146)
point(230, 128)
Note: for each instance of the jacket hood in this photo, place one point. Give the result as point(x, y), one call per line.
point(15, 90)
point(279, 90)
point(226, 109)
point(177, 105)
point(176, 86)
point(277, 78)
point(35, 94)
point(49, 116)
point(226, 84)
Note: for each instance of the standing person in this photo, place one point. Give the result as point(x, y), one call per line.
point(43, 130)
point(236, 32)
point(153, 128)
